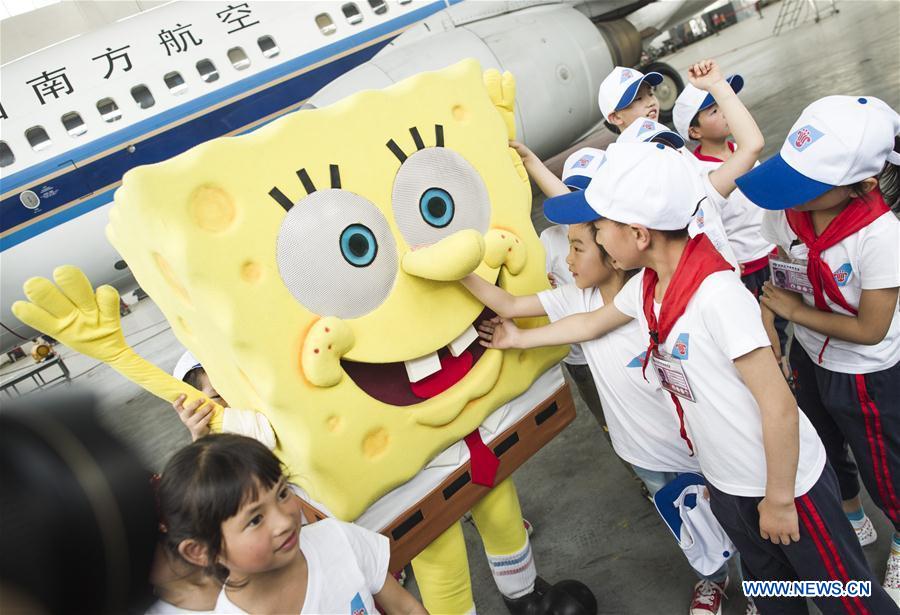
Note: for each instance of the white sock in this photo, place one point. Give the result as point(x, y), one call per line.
point(514, 573)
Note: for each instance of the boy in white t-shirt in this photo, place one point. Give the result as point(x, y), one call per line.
point(828, 216)
point(642, 426)
point(769, 484)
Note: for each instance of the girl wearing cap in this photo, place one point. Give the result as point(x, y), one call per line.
point(828, 214)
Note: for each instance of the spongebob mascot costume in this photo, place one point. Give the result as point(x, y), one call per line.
point(308, 263)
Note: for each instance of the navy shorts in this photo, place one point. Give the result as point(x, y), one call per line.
point(828, 550)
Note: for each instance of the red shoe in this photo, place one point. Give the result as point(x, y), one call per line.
point(708, 597)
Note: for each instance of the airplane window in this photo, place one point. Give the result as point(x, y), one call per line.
point(6, 155)
point(351, 12)
point(207, 70)
point(238, 58)
point(175, 82)
point(73, 124)
point(109, 110)
point(379, 6)
point(142, 96)
point(326, 26)
point(38, 138)
point(267, 46)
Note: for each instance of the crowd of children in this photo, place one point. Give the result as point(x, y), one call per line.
point(659, 267)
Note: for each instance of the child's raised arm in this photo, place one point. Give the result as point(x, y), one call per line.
point(549, 183)
point(707, 76)
point(502, 302)
point(781, 440)
point(503, 333)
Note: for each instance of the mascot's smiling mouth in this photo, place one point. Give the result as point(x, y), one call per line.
point(390, 383)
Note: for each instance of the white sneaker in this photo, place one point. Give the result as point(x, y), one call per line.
point(866, 532)
point(892, 577)
point(708, 597)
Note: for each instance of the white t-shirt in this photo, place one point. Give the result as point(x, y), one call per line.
point(721, 323)
point(740, 217)
point(556, 246)
point(643, 425)
point(347, 566)
point(708, 218)
point(869, 259)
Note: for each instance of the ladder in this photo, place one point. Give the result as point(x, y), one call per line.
point(791, 11)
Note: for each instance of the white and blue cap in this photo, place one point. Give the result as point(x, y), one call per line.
point(621, 86)
point(644, 129)
point(185, 364)
point(687, 513)
point(837, 141)
point(640, 183)
point(693, 100)
point(581, 166)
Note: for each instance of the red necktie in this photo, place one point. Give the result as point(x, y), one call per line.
point(858, 214)
point(482, 460)
point(699, 259)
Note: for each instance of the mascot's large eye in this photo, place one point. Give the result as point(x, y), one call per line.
point(436, 193)
point(436, 206)
point(336, 254)
point(358, 245)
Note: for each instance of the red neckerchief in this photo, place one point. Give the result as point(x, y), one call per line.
point(857, 215)
point(699, 260)
point(701, 156)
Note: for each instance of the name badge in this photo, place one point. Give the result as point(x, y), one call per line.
point(790, 275)
point(671, 375)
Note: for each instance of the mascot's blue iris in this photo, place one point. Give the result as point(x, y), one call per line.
point(358, 245)
point(436, 206)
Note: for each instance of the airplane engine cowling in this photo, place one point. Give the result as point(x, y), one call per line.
point(556, 54)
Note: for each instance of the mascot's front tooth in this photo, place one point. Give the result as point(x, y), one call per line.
point(424, 366)
point(459, 345)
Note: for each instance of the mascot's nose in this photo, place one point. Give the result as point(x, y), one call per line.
point(450, 259)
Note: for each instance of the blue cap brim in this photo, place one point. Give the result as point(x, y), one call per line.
point(672, 139)
point(632, 90)
point(579, 182)
point(737, 84)
point(570, 208)
point(776, 185)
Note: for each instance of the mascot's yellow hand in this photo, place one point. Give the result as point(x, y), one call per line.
point(72, 313)
point(502, 90)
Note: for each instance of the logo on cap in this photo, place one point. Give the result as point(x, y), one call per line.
point(626, 75)
point(583, 162)
point(804, 137)
point(680, 350)
point(647, 126)
point(842, 274)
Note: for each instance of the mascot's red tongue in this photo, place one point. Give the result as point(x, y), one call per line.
point(452, 371)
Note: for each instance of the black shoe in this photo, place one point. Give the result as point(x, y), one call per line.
point(566, 597)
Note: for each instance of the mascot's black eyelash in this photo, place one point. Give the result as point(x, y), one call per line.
point(417, 139)
point(308, 185)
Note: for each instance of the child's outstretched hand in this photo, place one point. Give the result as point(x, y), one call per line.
point(705, 74)
point(195, 418)
point(498, 333)
point(524, 153)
